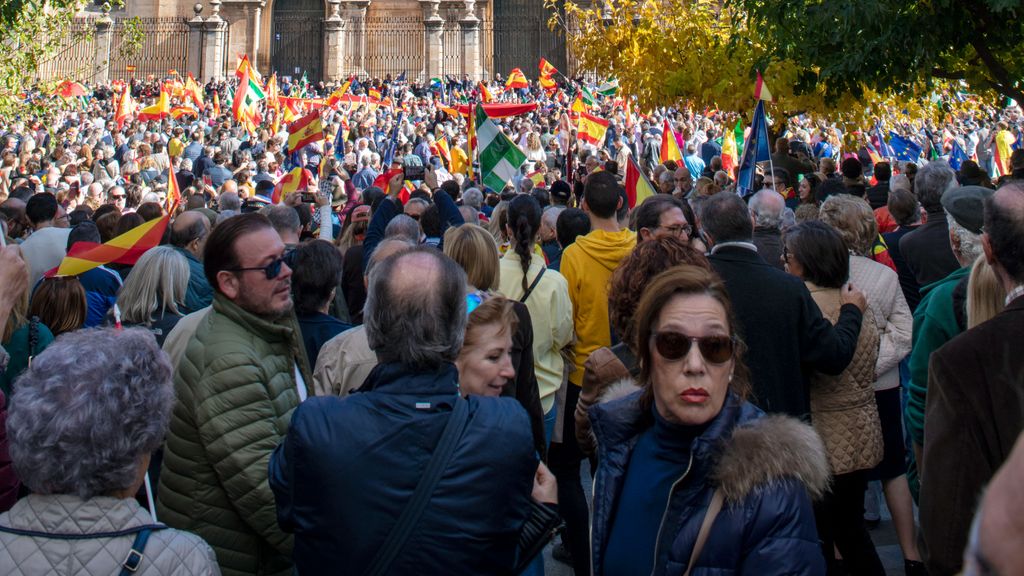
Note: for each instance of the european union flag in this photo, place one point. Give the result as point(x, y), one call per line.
point(903, 148)
point(957, 156)
point(755, 150)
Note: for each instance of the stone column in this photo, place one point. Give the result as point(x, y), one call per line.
point(334, 44)
point(471, 56)
point(357, 15)
point(433, 45)
point(215, 37)
point(194, 63)
point(104, 37)
point(256, 24)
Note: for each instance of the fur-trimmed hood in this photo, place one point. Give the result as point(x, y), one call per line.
point(760, 451)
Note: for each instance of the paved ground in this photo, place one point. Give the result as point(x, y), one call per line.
point(883, 536)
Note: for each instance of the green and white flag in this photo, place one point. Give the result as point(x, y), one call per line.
point(588, 96)
point(609, 88)
point(500, 158)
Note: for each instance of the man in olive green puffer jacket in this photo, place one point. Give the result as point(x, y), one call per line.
point(242, 376)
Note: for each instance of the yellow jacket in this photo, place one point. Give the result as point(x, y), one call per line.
point(587, 266)
point(551, 315)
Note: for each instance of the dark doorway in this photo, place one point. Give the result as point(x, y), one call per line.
point(522, 37)
point(297, 39)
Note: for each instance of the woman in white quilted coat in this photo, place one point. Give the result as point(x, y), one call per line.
point(843, 408)
point(853, 218)
point(83, 421)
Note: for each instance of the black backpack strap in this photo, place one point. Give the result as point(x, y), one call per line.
point(413, 511)
point(533, 285)
point(33, 338)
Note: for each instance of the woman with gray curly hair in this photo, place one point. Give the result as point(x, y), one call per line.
point(82, 428)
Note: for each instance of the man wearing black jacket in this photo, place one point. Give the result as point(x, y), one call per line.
point(781, 325)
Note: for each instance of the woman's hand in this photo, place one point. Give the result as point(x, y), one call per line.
point(545, 487)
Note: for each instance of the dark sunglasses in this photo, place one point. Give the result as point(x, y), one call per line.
point(674, 346)
point(272, 270)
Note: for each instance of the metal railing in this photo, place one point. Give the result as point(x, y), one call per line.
point(164, 47)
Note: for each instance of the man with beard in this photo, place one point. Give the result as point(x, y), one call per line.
point(242, 376)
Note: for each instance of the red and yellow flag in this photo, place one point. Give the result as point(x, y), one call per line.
point(546, 69)
point(245, 66)
point(124, 249)
point(548, 83)
point(591, 128)
point(216, 103)
point(516, 79)
point(179, 111)
point(125, 107)
point(305, 131)
point(335, 96)
point(374, 93)
point(193, 91)
point(730, 152)
point(173, 192)
point(158, 111)
point(298, 179)
point(440, 148)
point(669, 146)
point(638, 188)
point(485, 94)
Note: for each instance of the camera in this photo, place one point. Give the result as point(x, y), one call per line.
point(413, 172)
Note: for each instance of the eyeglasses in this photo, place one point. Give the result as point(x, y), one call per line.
point(117, 196)
point(272, 270)
point(678, 230)
point(675, 346)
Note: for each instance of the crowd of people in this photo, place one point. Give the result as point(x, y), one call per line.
point(380, 374)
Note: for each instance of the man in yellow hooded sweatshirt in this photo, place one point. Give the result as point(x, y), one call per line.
point(587, 266)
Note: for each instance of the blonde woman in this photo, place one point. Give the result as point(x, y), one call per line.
point(153, 295)
point(534, 149)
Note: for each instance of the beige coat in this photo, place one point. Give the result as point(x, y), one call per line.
point(843, 408)
point(343, 364)
point(167, 552)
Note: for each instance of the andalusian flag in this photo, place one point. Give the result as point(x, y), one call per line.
point(305, 131)
point(588, 96)
point(609, 88)
point(638, 188)
point(158, 111)
point(669, 146)
point(124, 249)
point(546, 69)
point(738, 133)
point(591, 128)
point(500, 158)
point(516, 79)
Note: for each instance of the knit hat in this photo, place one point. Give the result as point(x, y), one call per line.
point(966, 205)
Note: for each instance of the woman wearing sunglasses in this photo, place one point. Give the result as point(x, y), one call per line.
point(693, 479)
point(843, 407)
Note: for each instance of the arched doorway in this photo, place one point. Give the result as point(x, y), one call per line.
point(297, 39)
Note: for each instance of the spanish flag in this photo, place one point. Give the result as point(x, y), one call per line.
point(440, 148)
point(335, 96)
point(546, 69)
point(298, 179)
point(158, 111)
point(516, 79)
point(577, 108)
point(245, 66)
point(216, 103)
point(305, 131)
point(1002, 150)
point(193, 91)
point(179, 111)
point(173, 192)
point(125, 107)
point(485, 94)
point(124, 249)
point(669, 146)
point(591, 128)
point(638, 188)
point(374, 93)
point(730, 153)
point(548, 84)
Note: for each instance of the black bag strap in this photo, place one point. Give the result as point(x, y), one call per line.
point(534, 285)
point(33, 338)
point(135, 555)
point(412, 512)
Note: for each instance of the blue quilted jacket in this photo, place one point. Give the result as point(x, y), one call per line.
point(767, 468)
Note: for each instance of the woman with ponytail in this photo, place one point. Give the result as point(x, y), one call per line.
point(524, 277)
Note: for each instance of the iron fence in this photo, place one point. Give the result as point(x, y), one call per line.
point(76, 56)
point(164, 47)
point(389, 44)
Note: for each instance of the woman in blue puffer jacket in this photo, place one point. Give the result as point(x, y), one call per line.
point(687, 443)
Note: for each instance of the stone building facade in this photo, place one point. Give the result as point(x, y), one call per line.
point(324, 39)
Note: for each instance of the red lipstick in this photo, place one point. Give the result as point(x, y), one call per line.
point(694, 396)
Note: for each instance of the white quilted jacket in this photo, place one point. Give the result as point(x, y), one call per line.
point(888, 308)
point(167, 552)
